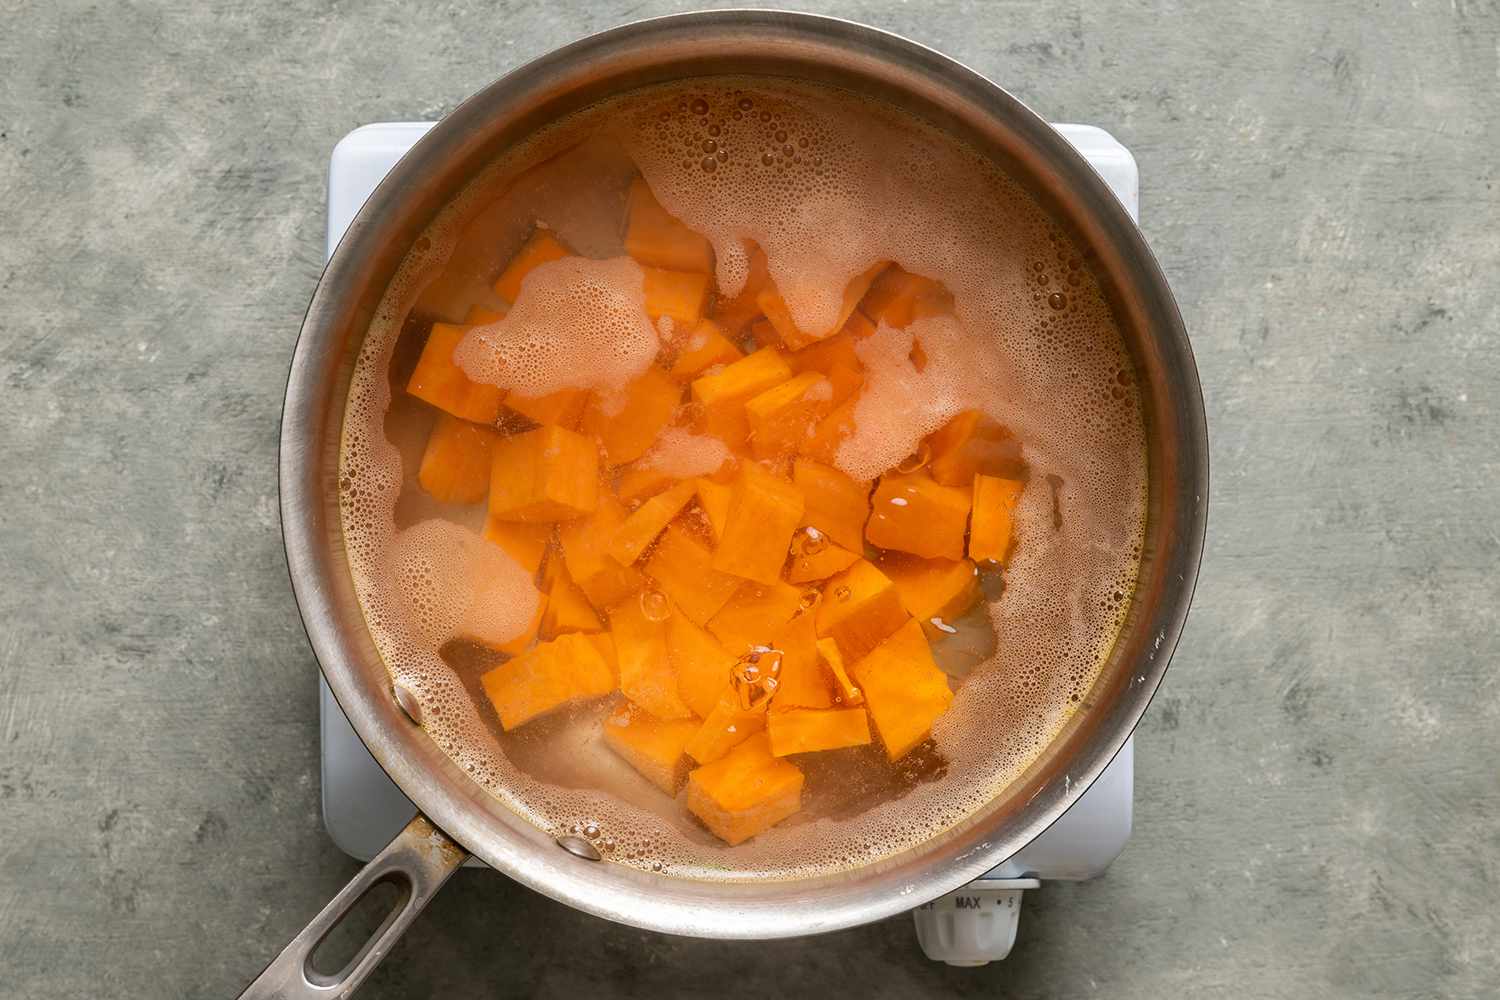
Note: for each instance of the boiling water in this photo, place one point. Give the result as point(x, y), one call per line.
point(826, 184)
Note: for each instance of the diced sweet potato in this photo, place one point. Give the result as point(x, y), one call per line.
point(714, 499)
point(755, 615)
point(860, 607)
point(525, 543)
point(801, 681)
point(568, 609)
point(933, 591)
point(897, 297)
point(845, 691)
point(548, 474)
point(734, 313)
point(585, 547)
point(726, 726)
point(858, 325)
point(649, 520)
point(438, 380)
point(702, 665)
point(806, 730)
point(912, 513)
point(836, 505)
point(456, 463)
point(682, 567)
point(969, 444)
point(541, 247)
point(627, 432)
point(656, 238)
point(702, 348)
point(775, 309)
point(568, 669)
point(638, 482)
point(483, 315)
point(831, 431)
point(678, 294)
point(746, 792)
point(782, 417)
point(651, 746)
point(825, 355)
point(646, 674)
point(994, 511)
point(814, 557)
point(738, 382)
point(764, 511)
point(904, 690)
point(564, 407)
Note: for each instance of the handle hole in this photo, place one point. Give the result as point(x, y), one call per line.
point(346, 942)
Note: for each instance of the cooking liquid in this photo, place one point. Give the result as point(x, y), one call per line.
point(827, 184)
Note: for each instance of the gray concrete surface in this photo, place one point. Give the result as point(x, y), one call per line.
point(1318, 801)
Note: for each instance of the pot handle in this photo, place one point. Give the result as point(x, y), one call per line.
point(419, 860)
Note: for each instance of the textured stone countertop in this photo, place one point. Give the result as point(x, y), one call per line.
point(1318, 783)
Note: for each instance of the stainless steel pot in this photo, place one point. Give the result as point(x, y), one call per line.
point(457, 816)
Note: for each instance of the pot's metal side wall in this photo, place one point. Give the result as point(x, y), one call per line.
point(808, 47)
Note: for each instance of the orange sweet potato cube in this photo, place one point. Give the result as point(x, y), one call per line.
point(807, 730)
point(860, 607)
point(651, 746)
point(682, 567)
point(656, 238)
point(479, 315)
point(836, 505)
point(755, 615)
point(714, 499)
point(568, 609)
point(547, 677)
point(897, 297)
point(845, 691)
point(646, 674)
point(912, 513)
point(438, 380)
point(782, 418)
point(525, 543)
point(764, 511)
point(775, 309)
point(969, 444)
point(738, 382)
point(564, 407)
point(642, 482)
point(745, 792)
point(904, 690)
point(933, 591)
point(702, 348)
point(585, 549)
point(626, 428)
point(702, 665)
point(801, 680)
point(826, 355)
point(649, 520)
point(994, 512)
point(541, 247)
point(830, 433)
point(814, 557)
point(734, 313)
point(456, 463)
point(678, 294)
point(725, 727)
point(548, 474)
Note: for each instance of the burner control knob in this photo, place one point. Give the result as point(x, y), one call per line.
point(975, 925)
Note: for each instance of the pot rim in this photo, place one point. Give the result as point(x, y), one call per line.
point(338, 315)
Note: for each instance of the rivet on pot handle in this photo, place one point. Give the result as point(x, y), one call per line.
point(419, 860)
